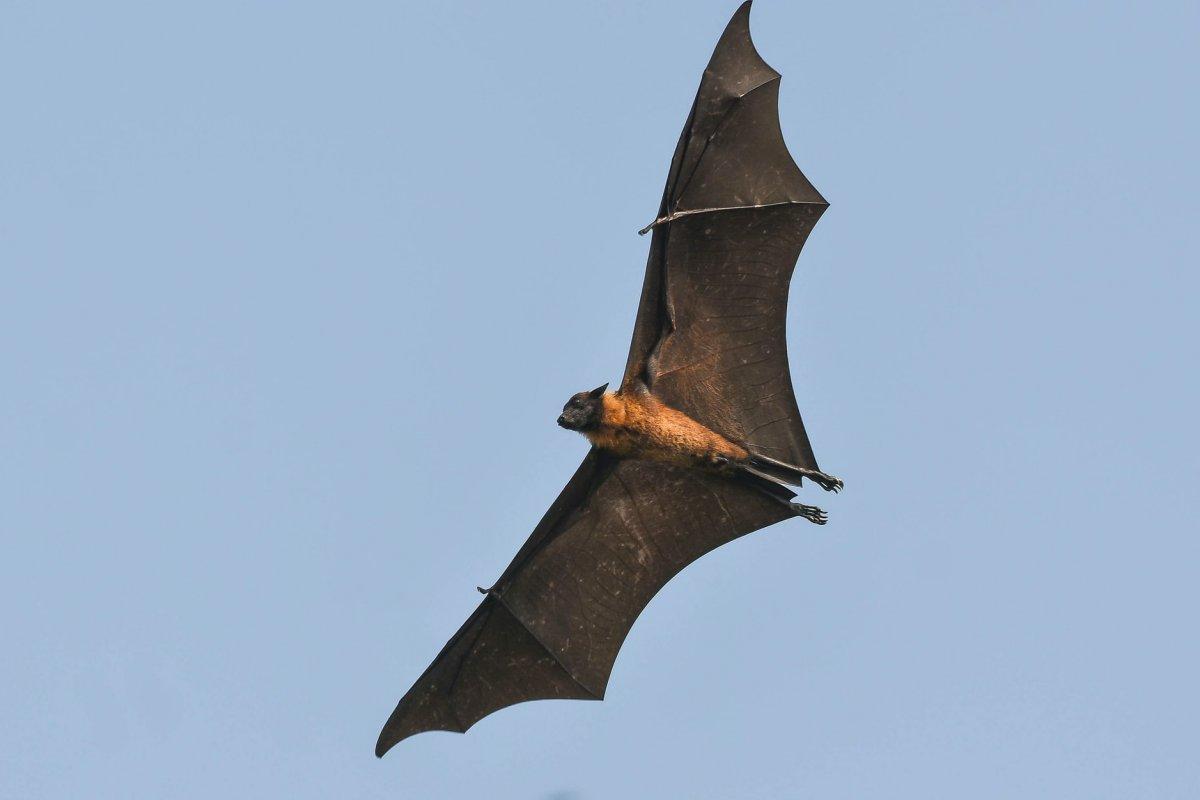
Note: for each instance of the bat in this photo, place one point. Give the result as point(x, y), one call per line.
point(697, 447)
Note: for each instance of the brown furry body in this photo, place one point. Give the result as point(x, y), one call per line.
point(638, 425)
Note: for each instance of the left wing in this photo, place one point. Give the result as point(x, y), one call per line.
point(552, 624)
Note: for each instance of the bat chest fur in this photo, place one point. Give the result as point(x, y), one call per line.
point(642, 427)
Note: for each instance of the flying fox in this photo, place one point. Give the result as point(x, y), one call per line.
point(633, 423)
point(699, 445)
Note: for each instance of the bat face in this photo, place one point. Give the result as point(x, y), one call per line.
point(582, 412)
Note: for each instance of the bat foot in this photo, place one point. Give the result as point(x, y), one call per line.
point(828, 482)
point(811, 513)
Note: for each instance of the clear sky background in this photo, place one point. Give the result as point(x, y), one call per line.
point(292, 294)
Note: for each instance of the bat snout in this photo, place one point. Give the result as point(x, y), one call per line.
point(572, 420)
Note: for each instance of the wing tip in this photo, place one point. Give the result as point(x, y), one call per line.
point(389, 737)
point(383, 746)
point(737, 35)
point(394, 732)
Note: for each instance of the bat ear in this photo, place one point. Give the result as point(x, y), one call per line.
point(599, 390)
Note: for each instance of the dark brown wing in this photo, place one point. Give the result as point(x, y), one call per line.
point(552, 625)
point(709, 337)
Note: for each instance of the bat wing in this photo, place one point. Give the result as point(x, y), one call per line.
point(552, 625)
point(709, 337)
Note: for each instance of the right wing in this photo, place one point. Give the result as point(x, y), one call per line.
point(552, 624)
point(710, 332)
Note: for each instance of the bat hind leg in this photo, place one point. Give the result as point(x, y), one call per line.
point(810, 513)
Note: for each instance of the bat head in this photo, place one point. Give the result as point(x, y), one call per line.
point(582, 411)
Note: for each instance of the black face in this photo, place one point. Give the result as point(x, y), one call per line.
point(582, 411)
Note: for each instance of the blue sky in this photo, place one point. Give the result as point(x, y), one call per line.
point(292, 294)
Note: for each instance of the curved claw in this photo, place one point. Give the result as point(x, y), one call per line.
point(830, 483)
